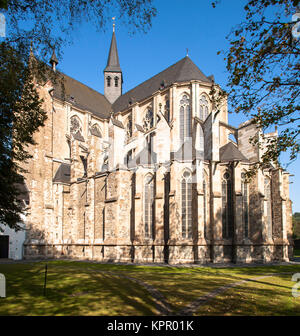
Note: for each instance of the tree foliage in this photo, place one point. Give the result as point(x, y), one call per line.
point(51, 23)
point(296, 225)
point(44, 24)
point(263, 64)
point(21, 114)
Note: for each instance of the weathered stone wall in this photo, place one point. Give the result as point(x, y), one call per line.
point(100, 214)
point(246, 131)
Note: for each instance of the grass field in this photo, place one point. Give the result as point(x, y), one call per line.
point(82, 288)
point(297, 253)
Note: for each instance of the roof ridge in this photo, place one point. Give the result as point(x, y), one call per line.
point(159, 73)
point(180, 68)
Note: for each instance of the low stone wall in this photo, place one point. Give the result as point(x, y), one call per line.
point(173, 254)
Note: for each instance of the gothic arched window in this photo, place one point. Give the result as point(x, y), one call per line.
point(95, 130)
point(203, 108)
point(227, 218)
point(129, 157)
point(129, 127)
point(116, 81)
point(148, 121)
point(76, 128)
point(148, 205)
point(167, 110)
point(185, 120)
point(108, 80)
point(205, 204)
point(268, 199)
point(245, 205)
point(186, 204)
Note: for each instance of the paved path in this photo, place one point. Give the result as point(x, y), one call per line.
point(165, 309)
point(195, 305)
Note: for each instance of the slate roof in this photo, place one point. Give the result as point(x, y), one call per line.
point(117, 122)
point(230, 152)
point(182, 71)
point(63, 173)
point(186, 153)
point(81, 96)
point(113, 64)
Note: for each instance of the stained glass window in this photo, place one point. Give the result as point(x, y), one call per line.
point(268, 198)
point(203, 108)
point(245, 204)
point(185, 120)
point(75, 125)
point(167, 110)
point(129, 127)
point(148, 119)
point(227, 211)
point(205, 204)
point(186, 204)
point(148, 205)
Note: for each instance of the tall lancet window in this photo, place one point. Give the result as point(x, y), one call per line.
point(108, 80)
point(129, 127)
point(205, 204)
point(203, 108)
point(268, 198)
point(227, 213)
point(186, 204)
point(148, 121)
point(185, 118)
point(167, 110)
point(245, 205)
point(148, 205)
point(116, 81)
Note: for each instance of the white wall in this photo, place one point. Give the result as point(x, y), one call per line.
point(16, 241)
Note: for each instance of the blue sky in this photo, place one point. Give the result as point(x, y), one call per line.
point(179, 24)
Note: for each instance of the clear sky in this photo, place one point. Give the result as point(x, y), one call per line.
point(179, 24)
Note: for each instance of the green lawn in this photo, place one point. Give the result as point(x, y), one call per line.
point(297, 253)
point(82, 288)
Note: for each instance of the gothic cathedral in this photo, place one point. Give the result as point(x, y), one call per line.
point(153, 175)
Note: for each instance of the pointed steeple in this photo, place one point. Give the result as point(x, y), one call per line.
point(113, 78)
point(53, 60)
point(113, 64)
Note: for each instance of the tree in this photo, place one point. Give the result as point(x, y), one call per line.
point(48, 24)
point(263, 65)
point(20, 116)
point(296, 225)
point(51, 22)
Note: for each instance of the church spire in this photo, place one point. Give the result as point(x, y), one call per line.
point(112, 73)
point(53, 61)
point(113, 57)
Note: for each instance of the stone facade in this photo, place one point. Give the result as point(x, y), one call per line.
point(158, 180)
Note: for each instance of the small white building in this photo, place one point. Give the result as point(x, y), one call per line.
point(11, 242)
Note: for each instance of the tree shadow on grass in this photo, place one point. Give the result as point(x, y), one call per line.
point(253, 299)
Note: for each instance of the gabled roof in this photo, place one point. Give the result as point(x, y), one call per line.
point(63, 173)
point(146, 157)
point(117, 122)
point(182, 71)
point(113, 64)
point(81, 96)
point(230, 152)
point(186, 153)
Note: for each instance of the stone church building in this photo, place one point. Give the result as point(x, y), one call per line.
point(152, 175)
